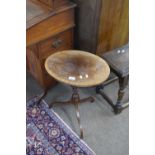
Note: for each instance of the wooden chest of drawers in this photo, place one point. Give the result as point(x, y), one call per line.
point(51, 32)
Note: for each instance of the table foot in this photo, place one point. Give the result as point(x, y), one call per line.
point(78, 119)
point(59, 102)
point(88, 99)
point(42, 97)
point(119, 108)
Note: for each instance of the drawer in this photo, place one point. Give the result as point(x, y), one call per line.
point(50, 27)
point(54, 3)
point(62, 41)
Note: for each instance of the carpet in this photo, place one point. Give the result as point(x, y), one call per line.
point(48, 134)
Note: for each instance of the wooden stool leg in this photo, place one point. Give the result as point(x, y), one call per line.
point(99, 91)
point(123, 82)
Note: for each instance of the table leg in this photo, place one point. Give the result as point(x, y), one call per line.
point(42, 96)
point(88, 99)
point(59, 102)
point(123, 82)
point(76, 100)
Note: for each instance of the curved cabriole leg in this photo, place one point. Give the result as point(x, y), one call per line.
point(78, 119)
point(90, 99)
point(59, 102)
point(75, 100)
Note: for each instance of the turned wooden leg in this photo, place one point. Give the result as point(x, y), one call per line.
point(123, 82)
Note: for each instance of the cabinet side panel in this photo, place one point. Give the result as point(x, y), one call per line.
point(86, 18)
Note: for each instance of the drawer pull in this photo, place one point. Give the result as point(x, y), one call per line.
point(57, 43)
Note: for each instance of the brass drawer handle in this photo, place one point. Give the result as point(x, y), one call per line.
point(57, 43)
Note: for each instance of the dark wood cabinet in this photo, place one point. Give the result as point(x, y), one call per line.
point(48, 31)
point(101, 25)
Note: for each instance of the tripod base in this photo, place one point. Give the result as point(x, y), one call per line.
point(75, 100)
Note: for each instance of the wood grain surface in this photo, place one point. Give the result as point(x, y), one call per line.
point(114, 25)
point(77, 68)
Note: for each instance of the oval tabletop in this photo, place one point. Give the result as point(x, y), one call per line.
point(77, 68)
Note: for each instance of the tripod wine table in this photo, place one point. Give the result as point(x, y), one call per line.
point(77, 69)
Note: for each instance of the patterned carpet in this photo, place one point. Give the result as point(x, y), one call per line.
point(48, 134)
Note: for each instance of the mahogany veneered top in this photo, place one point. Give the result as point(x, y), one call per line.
point(77, 68)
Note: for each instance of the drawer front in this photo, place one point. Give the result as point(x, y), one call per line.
point(50, 27)
point(62, 41)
